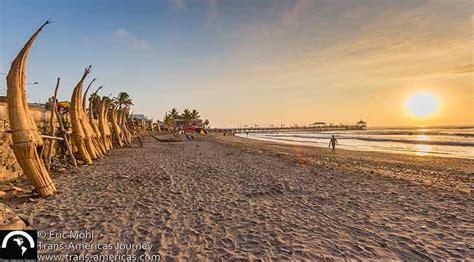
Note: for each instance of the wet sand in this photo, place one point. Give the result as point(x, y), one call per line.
point(442, 172)
point(222, 198)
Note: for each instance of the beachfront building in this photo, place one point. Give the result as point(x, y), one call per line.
point(37, 110)
point(139, 117)
point(183, 123)
point(361, 124)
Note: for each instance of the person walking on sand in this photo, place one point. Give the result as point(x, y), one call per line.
point(333, 143)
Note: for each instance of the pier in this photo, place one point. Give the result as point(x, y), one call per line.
point(240, 130)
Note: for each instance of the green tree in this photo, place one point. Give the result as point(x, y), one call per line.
point(168, 120)
point(186, 117)
point(174, 113)
point(195, 115)
point(123, 99)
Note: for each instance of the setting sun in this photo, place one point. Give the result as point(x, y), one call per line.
point(422, 104)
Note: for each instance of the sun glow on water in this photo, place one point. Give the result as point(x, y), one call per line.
point(422, 150)
point(422, 138)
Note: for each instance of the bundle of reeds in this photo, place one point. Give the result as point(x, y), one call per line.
point(120, 122)
point(115, 126)
point(126, 131)
point(99, 151)
point(104, 124)
point(27, 141)
point(78, 134)
point(88, 132)
point(98, 137)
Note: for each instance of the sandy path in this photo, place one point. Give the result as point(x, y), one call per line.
point(210, 201)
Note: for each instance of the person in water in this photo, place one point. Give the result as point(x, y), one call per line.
point(333, 143)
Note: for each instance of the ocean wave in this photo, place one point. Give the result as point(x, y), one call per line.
point(376, 139)
point(457, 133)
point(419, 133)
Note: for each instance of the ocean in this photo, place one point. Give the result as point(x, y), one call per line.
point(432, 141)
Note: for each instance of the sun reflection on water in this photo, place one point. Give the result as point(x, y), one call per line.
point(423, 138)
point(422, 150)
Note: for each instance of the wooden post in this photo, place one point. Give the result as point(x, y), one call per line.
point(61, 127)
point(66, 140)
point(51, 128)
point(52, 137)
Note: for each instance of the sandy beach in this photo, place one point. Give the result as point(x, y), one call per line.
point(222, 198)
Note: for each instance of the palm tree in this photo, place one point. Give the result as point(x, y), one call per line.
point(174, 113)
point(186, 117)
point(206, 123)
point(123, 99)
point(96, 98)
point(195, 115)
point(168, 120)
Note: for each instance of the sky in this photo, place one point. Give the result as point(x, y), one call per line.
point(255, 62)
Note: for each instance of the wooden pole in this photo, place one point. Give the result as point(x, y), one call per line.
point(52, 137)
point(66, 140)
point(51, 128)
point(61, 127)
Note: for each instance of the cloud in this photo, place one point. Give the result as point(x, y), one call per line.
point(371, 43)
point(212, 11)
point(292, 16)
point(131, 40)
point(465, 69)
point(179, 4)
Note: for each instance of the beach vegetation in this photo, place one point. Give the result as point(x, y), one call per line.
point(123, 100)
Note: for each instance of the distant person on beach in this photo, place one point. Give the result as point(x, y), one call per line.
point(333, 143)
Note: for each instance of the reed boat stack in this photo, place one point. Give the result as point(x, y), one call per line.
point(72, 129)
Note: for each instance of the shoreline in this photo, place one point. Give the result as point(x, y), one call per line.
point(428, 170)
point(422, 151)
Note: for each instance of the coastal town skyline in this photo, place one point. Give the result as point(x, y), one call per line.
point(263, 63)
